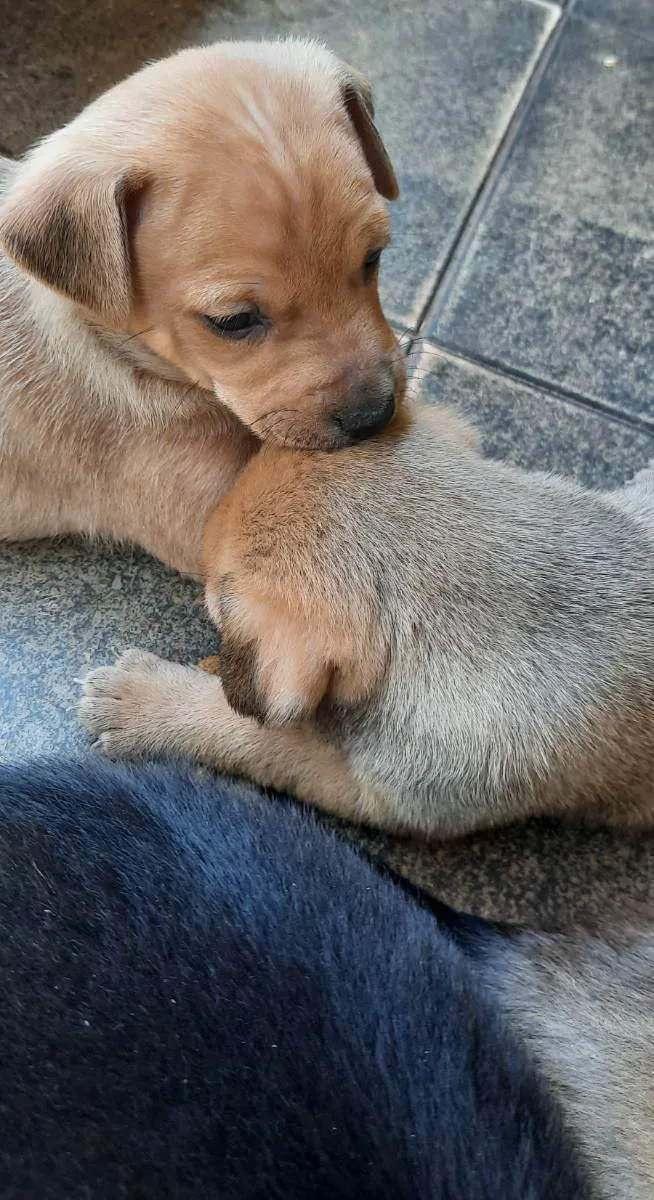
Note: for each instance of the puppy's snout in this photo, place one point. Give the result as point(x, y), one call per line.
point(369, 413)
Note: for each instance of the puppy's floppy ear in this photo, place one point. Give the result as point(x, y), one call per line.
point(277, 663)
point(357, 98)
point(66, 224)
point(270, 667)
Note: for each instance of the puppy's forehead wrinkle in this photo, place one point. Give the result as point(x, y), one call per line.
point(285, 98)
point(279, 236)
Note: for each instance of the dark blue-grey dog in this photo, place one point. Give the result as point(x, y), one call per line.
point(207, 994)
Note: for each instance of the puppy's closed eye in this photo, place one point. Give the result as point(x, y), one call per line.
point(371, 263)
point(238, 326)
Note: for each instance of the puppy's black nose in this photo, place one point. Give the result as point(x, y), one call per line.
point(361, 421)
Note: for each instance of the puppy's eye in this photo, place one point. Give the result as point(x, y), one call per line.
point(238, 325)
point(371, 262)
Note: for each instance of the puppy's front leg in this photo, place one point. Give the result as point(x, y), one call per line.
point(147, 706)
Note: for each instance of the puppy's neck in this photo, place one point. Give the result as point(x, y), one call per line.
point(134, 351)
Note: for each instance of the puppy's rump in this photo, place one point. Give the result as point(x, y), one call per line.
point(205, 994)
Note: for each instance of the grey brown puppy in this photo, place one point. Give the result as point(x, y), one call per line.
point(416, 637)
point(187, 269)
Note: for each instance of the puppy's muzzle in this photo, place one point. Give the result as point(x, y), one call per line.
point(371, 406)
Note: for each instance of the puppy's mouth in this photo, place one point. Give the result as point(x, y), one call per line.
point(345, 428)
point(310, 439)
point(291, 429)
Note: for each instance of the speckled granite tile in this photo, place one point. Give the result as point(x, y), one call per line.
point(540, 873)
point(447, 76)
point(56, 55)
point(69, 605)
point(559, 280)
point(530, 427)
point(635, 15)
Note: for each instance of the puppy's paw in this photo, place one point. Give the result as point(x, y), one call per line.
point(130, 708)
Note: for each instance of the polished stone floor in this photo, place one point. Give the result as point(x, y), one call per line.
point(522, 268)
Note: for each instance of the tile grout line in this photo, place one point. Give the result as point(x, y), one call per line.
point(439, 292)
point(525, 379)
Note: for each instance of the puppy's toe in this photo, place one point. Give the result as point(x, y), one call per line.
point(100, 711)
point(112, 745)
point(139, 660)
point(102, 683)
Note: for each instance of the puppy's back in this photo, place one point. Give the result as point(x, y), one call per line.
point(208, 995)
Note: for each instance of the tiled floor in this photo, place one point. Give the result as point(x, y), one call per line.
point(523, 265)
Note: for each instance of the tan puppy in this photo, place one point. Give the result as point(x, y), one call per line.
point(428, 640)
point(191, 266)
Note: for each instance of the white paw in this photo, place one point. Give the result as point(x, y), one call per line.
point(127, 707)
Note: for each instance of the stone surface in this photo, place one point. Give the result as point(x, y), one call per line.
point(69, 605)
point(541, 873)
point(531, 428)
point(636, 15)
point(447, 77)
point(559, 279)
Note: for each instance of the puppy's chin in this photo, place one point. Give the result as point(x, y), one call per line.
point(314, 439)
point(278, 429)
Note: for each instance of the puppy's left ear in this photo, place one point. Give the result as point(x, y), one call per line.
point(66, 224)
point(271, 668)
point(277, 664)
point(357, 98)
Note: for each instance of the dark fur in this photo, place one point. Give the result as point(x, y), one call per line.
point(208, 995)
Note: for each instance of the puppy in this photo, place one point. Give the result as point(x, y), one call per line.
point(190, 268)
point(416, 637)
point(208, 995)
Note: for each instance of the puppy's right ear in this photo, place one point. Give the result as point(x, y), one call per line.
point(357, 98)
point(67, 226)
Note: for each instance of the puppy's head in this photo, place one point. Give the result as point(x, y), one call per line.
point(295, 581)
point(226, 207)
